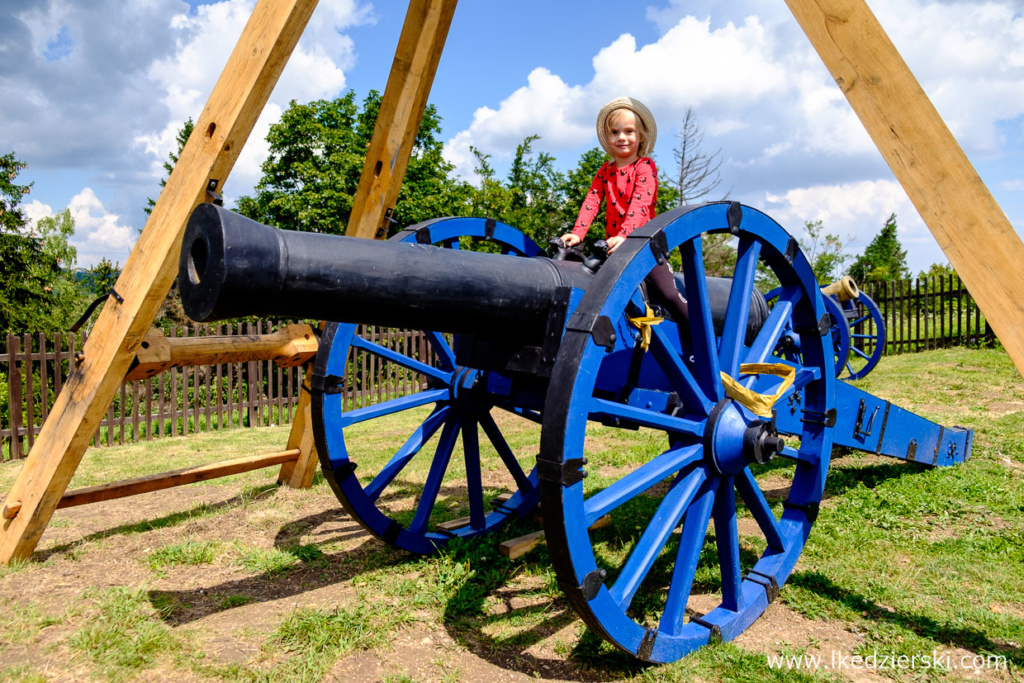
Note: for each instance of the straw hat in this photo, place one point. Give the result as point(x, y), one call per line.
point(642, 113)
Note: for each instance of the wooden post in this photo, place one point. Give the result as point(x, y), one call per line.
point(961, 213)
point(401, 108)
point(222, 129)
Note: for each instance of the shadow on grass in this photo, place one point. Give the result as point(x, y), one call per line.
point(167, 521)
point(317, 570)
point(528, 615)
point(944, 632)
point(842, 479)
point(312, 569)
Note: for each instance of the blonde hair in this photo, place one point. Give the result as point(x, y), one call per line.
point(616, 115)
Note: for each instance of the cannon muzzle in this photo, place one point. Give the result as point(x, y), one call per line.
point(232, 266)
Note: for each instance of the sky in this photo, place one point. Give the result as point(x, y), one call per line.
point(92, 95)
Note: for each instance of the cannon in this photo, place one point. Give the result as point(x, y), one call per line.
point(850, 309)
point(579, 350)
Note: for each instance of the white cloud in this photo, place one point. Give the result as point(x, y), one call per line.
point(94, 93)
point(546, 106)
point(763, 96)
point(98, 232)
point(856, 213)
point(739, 73)
point(204, 41)
point(969, 58)
point(36, 210)
point(94, 224)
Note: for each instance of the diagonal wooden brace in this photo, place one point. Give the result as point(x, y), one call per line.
point(222, 129)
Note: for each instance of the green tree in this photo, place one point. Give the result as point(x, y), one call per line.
point(883, 259)
point(181, 138)
point(429, 189)
point(824, 251)
point(56, 269)
point(311, 173)
point(531, 198)
point(103, 276)
point(317, 151)
point(37, 291)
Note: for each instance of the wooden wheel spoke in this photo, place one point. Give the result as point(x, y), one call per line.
point(702, 329)
point(691, 542)
point(678, 374)
point(409, 449)
point(497, 440)
point(400, 359)
point(774, 326)
point(603, 408)
point(727, 540)
point(395, 405)
point(755, 501)
point(646, 551)
point(443, 350)
point(639, 480)
point(474, 479)
point(737, 314)
point(443, 454)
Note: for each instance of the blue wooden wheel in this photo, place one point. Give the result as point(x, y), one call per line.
point(857, 312)
point(789, 344)
point(640, 594)
point(403, 512)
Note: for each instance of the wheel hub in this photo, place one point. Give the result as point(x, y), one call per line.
point(732, 442)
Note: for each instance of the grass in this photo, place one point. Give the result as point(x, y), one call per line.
point(902, 559)
point(190, 552)
point(122, 635)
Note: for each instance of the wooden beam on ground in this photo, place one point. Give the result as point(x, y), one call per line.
point(289, 347)
point(164, 480)
point(961, 213)
point(401, 109)
point(517, 547)
point(222, 129)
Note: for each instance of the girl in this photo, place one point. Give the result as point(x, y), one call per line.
point(628, 184)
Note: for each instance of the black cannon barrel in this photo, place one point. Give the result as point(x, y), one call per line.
point(232, 266)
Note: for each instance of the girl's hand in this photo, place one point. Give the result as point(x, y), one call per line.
point(570, 240)
point(614, 242)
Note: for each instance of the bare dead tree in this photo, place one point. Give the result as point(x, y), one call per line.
point(698, 170)
point(698, 177)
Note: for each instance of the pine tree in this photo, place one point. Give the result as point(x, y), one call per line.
point(884, 259)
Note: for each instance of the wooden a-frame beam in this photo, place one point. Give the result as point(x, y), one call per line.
point(961, 213)
point(222, 129)
point(401, 110)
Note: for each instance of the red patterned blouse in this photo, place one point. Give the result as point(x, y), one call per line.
point(630, 194)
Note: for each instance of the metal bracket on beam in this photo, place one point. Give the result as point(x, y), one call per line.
point(564, 473)
point(599, 327)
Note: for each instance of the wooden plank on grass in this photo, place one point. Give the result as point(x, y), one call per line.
point(163, 480)
point(517, 547)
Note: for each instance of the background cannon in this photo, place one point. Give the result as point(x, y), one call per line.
point(599, 360)
point(856, 348)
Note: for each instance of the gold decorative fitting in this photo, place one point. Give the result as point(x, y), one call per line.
point(644, 324)
point(759, 404)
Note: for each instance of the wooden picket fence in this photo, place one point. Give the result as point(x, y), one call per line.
point(929, 313)
point(34, 368)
